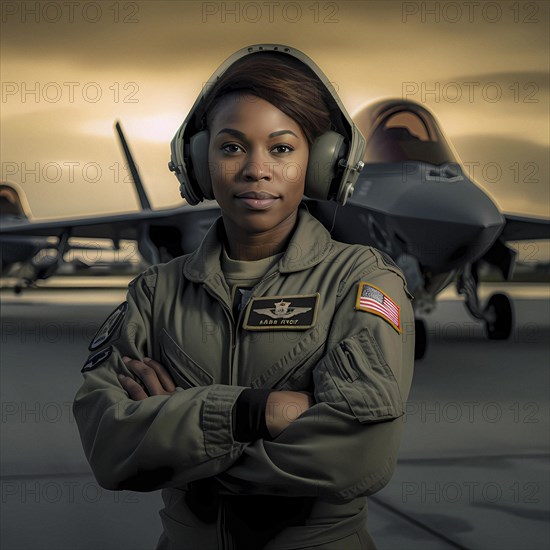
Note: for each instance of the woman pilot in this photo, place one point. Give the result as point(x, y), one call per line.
point(260, 380)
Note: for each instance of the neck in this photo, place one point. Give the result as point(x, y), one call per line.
point(245, 245)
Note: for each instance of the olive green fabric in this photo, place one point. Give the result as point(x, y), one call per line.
point(355, 363)
point(244, 274)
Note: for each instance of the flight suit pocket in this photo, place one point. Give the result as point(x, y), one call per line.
point(292, 371)
point(354, 376)
point(185, 372)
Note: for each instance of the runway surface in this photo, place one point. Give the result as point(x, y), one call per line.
point(474, 463)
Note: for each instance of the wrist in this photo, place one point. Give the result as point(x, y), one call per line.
point(283, 407)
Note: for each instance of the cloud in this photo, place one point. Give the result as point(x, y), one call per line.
point(367, 49)
point(169, 36)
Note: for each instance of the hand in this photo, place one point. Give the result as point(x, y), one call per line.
point(154, 376)
point(283, 407)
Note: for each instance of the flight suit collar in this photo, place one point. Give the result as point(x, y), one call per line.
point(309, 245)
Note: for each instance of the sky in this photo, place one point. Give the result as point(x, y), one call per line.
point(70, 69)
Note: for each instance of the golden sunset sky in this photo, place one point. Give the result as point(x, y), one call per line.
point(69, 69)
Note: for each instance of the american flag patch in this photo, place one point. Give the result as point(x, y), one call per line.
point(374, 300)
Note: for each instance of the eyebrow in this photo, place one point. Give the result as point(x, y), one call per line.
point(240, 135)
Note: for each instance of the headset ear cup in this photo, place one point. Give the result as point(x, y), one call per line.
point(198, 153)
point(322, 166)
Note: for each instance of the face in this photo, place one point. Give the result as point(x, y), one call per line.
point(258, 159)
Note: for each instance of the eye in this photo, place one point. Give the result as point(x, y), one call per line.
point(231, 148)
point(282, 149)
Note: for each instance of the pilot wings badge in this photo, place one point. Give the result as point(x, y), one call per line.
point(282, 312)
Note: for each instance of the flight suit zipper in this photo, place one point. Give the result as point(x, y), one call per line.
point(225, 537)
point(230, 322)
point(265, 279)
point(226, 540)
point(234, 353)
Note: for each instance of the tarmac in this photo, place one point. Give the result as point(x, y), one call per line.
point(474, 462)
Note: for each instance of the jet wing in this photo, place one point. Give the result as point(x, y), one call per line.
point(516, 228)
point(160, 234)
point(135, 226)
point(522, 228)
point(115, 226)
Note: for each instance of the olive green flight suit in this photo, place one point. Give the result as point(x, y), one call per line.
point(307, 486)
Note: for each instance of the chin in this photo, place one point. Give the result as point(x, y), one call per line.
point(258, 223)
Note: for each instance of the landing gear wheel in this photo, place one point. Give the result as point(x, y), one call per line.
point(498, 317)
point(420, 339)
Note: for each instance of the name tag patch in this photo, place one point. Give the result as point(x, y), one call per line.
point(109, 327)
point(97, 358)
point(289, 312)
point(370, 298)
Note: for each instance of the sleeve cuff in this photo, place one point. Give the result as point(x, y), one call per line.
point(217, 419)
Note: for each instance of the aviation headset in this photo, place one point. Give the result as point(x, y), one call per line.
point(335, 157)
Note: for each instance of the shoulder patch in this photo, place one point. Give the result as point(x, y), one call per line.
point(97, 358)
point(109, 327)
point(373, 300)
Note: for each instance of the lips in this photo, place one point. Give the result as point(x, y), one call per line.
point(257, 200)
point(256, 195)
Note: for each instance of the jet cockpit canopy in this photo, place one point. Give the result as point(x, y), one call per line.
point(402, 131)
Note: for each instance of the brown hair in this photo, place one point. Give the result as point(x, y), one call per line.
point(283, 81)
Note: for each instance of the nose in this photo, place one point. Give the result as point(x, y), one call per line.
point(448, 223)
point(257, 168)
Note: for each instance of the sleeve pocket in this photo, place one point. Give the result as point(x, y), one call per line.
point(354, 377)
point(185, 372)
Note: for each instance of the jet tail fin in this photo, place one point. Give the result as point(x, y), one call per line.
point(143, 198)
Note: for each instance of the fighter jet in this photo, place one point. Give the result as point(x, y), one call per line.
point(413, 201)
point(160, 234)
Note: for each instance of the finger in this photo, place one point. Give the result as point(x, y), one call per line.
point(135, 391)
point(162, 374)
point(147, 375)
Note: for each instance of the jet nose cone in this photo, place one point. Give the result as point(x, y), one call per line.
point(446, 223)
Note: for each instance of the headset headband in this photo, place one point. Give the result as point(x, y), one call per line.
point(350, 166)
